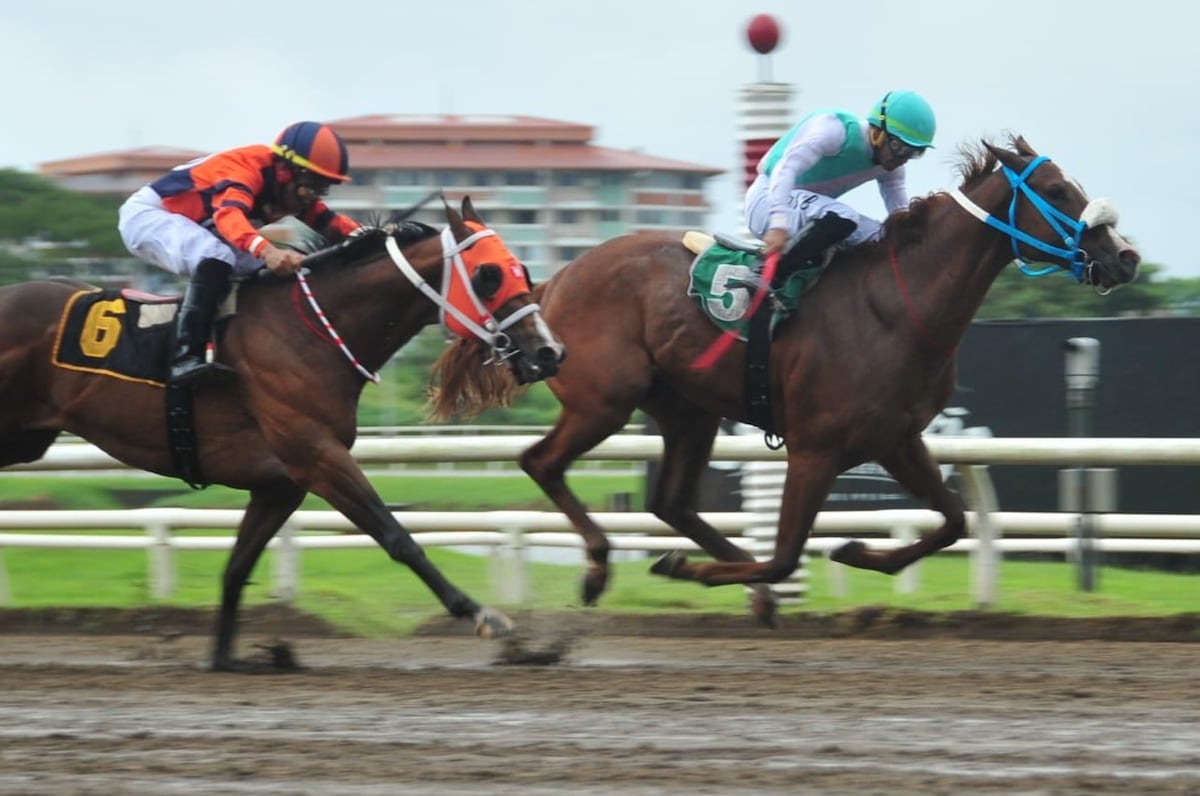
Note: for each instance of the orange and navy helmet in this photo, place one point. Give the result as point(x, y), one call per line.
point(316, 147)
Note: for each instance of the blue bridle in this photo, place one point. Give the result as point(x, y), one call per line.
point(1069, 229)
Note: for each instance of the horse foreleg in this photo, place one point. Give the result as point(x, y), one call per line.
point(265, 514)
point(546, 463)
point(337, 478)
point(809, 477)
point(687, 447)
point(914, 469)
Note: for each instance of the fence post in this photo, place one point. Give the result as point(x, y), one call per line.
point(837, 576)
point(985, 561)
point(162, 566)
point(509, 579)
point(906, 582)
point(286, 559)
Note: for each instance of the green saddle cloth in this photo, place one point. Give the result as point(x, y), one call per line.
point(723, 283)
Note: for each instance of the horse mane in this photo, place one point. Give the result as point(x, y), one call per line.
point(368, 243)
point(975, 163)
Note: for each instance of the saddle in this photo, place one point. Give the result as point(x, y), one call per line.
point(725, 274)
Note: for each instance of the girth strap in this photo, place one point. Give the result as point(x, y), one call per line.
point(181, 435)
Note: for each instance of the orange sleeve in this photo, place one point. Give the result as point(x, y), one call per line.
point(233, 201)
point(328, 223)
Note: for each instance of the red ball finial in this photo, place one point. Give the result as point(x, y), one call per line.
point(763, 33)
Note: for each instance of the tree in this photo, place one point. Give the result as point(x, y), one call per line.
point(1014, 295)
point(34, 208)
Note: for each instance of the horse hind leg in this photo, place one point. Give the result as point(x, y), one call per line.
point(809, 478)
point(26, 446)
point(688, 435)
point(914, 469)
point(546, 462)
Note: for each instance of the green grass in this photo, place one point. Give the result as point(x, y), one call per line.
point(362, 591)
point(513, 490)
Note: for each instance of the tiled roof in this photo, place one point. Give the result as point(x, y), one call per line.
point(413, 142)
point(473, 127)
point(514, 157)
point(158, 157)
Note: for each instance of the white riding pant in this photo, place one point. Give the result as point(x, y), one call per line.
point(804, 208)
point(171, 241)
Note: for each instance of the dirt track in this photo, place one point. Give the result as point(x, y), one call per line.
point(622, 714)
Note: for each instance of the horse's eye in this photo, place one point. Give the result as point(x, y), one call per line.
point(1057, 193)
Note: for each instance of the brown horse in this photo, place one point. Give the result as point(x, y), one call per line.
point(284, 426)
point(855, 376)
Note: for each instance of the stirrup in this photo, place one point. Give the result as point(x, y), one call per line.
point(197, 371)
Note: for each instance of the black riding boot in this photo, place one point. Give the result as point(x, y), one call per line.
point(828, 230)
point(194, 324)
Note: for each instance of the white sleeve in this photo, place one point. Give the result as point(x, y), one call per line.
point(893, 189)
point(820, 137)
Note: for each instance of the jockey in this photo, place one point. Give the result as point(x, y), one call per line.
point(201, 219)
point(825, 154)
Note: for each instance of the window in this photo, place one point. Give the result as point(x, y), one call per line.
point(610, 215)
point(525, 252)
point(407, 178)
point(568, 253)
point(520, 178)
point(480, 178)
point(568, 178)
point(523, 216)
point(651, 217)
point(568, 216)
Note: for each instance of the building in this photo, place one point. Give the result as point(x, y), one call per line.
point(542, 184)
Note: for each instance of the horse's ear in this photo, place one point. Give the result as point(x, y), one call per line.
point(468, 211)
point(1022, 146)
point(456, 223)
point(1010, 159)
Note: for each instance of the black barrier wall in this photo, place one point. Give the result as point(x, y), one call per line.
point(1011, 383)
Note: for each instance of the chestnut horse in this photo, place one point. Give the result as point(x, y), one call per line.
point(855, 376)
point(284, 425)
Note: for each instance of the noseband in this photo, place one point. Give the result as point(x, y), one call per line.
point(1097, 213)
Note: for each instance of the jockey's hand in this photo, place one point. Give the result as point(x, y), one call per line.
point(282, 262)
point(775, 239)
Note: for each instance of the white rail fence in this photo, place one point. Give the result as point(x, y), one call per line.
point(510, 534)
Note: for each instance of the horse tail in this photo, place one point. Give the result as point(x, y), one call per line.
point(461, 386)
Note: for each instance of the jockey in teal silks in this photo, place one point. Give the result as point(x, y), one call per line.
point(792, 204)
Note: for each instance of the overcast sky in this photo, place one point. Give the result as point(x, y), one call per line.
point(1108, 88)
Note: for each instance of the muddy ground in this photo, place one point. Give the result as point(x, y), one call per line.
point(871, 702)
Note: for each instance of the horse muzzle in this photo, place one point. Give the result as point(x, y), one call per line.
point(543, 365)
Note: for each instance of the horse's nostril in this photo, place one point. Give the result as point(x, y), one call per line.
point(1130, 258)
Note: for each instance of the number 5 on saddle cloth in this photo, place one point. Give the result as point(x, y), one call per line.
point(724, 280)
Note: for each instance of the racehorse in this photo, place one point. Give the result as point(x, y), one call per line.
point(854, 376)
point(302, 350)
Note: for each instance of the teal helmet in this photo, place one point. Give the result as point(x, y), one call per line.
point(906, 115)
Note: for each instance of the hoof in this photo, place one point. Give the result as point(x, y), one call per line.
point(669, 564)
point(763, 607)
point(492, 624)
point(853, 550)
point(595, 583)
point(274, 658)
